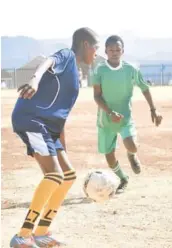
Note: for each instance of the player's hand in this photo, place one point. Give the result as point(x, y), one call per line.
point(27, 91)
point(156, 117)
point(116, 117)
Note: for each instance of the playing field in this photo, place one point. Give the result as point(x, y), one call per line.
point(140, 218)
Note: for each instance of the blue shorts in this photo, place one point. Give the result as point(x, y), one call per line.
point(40, 140)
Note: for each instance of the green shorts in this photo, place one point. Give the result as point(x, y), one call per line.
point(107, 138)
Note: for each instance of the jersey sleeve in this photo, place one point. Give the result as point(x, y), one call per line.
point(95, 77)
point(139, 81)
point(60, 61)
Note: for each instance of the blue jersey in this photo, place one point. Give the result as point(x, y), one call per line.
point(57, 92)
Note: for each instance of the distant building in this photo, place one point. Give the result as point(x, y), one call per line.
point(6, 79)
point(24, 74)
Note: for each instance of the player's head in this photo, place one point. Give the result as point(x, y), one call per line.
point(114, 48)
point(85, 44)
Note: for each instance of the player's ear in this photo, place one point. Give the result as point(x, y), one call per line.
point(86, 44)
point(106, 50)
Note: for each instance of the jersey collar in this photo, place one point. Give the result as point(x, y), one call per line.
point(114, 68)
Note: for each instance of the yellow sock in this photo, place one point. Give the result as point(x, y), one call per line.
point(47, 186)
point(54, 203)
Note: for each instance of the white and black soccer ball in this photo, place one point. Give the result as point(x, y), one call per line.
point(99, 185)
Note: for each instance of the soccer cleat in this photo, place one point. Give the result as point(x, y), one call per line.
point(122, 186)
point(48, 241)
point(21, 242)
point(134, 162)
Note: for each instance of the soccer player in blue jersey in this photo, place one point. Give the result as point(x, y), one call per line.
point(38, 118)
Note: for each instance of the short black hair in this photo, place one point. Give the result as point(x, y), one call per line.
point(113, 40)
point(83, 34)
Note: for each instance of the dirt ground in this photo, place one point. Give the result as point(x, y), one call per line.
point(140, 218)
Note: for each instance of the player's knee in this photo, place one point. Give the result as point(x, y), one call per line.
point(111, 159)
point(61, 175)
point(53, 169)
point(70, 175)
point(74, 176)
point(55, 176)
point(132, 148)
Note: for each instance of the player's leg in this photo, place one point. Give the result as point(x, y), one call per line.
point(129, 136)
point(107, 143)
point(42, 148)
point(42, 235)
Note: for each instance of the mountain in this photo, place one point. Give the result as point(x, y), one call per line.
point(17, 51)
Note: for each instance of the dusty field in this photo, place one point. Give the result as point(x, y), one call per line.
point(140, 218)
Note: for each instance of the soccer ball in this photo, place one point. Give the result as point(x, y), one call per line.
point(99, 185)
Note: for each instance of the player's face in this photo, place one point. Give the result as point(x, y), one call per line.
point(114, 52)
point(89, 52)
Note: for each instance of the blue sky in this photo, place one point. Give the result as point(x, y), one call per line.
point(59, 18)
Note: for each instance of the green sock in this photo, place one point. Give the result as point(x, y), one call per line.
point(119, 172)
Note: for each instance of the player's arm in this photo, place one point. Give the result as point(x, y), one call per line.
point(99, 99)
point(62, 139)
point(116, 117)
point(148, 96)
point(29, 89)
point(156, 117)
point(96, 81)
point(44, 66)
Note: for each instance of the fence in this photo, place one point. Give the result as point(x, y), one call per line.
point(156, 74)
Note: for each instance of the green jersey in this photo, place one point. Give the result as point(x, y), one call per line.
point(117, 86)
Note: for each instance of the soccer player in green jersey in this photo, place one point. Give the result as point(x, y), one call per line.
point(113, 82)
